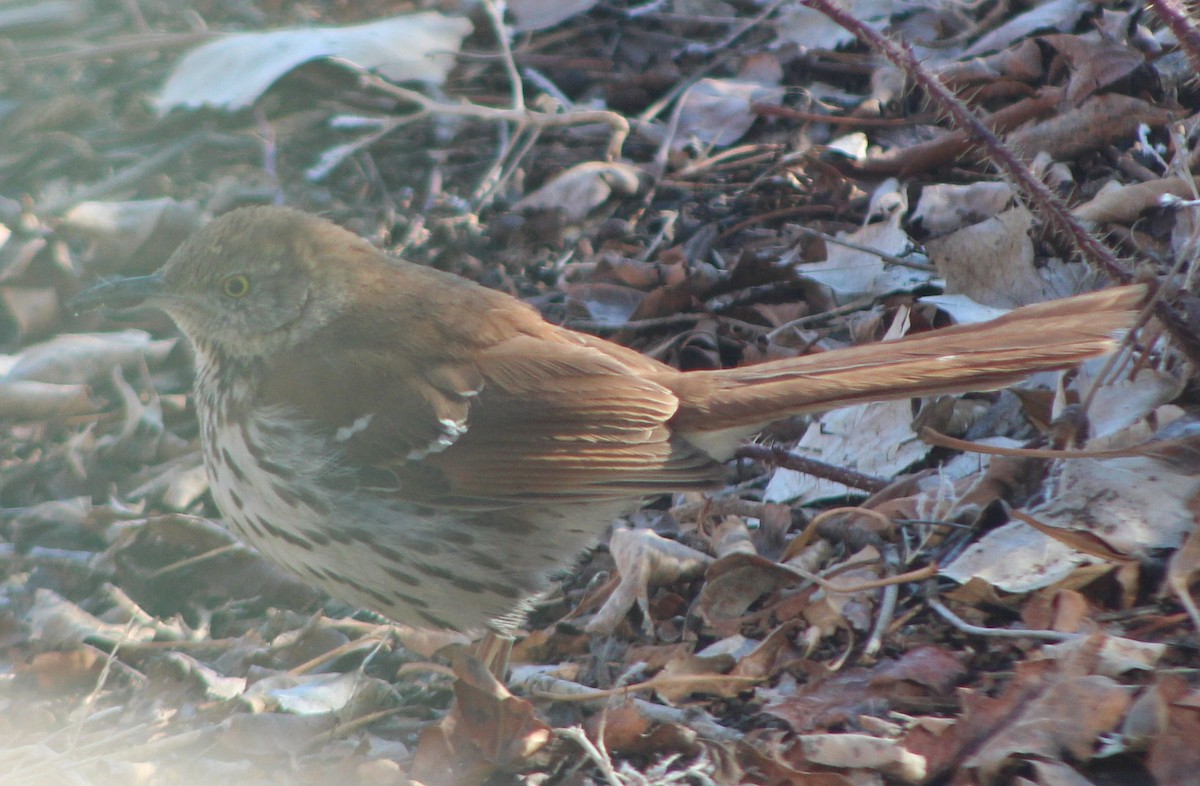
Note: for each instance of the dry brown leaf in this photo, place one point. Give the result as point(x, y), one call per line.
point(770, 760)
point(1064, 610)
point(1174, 756)
point(1103, 120)
point(1122, 203)
point(1047, 711)
point(64, 670)
point(1115, 657)
point(623, 726)
point(991, 262)
point(488, 730)
point(838, 698)
point(1065, 719)
point(1095, 63)
point(1182, 569)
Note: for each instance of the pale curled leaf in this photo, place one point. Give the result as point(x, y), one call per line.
point(810, 29)
point(233, 71)
point(582, 188)
point(947, 207)
point(79, 358)
point(55, 622)
point(315, 694)
point(718, 112)
point(27, 312)
point(1119, 406)
point(1135, 504)
point(531, 15)
point(27, 400)
point(644, 558)
point(215, 686)
point(851, 272)
point(876, 439)
point(1116, 655)
point(184, 488)
point(864, 751)
point(963, 309)
point(1123, 203)
point(1054, 15)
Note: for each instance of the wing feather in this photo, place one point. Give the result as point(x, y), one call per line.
point(533, 418)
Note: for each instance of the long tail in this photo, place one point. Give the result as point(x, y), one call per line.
point(982, 356)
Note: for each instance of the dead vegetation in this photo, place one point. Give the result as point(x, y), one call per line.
point(714, 183)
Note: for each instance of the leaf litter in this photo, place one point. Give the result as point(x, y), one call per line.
point(712, 183)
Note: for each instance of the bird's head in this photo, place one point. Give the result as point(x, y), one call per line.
point(250, 283)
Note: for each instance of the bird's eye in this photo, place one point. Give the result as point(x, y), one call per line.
point(236, 286)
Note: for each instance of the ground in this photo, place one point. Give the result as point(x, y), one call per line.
point(714, 184)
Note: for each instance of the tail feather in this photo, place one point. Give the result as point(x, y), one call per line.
point(982, 356)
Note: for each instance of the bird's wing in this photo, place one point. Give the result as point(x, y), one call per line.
point(531, 418)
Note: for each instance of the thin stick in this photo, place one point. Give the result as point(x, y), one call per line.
point(996, 633)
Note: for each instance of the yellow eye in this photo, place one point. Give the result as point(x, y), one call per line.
point(236, 286)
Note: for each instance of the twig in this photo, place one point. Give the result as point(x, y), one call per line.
point(887, 605)
point(654, 683)
point(810, 530)
point(780, 457)
point(1183, 25)
point(771, 110)
point(193, 560)
point(901, 55)
point(270, 151)
point(727, 42)
point(824, 316)
point(496, 15)
point(1153, 448)
point(650, 323)
point(920, 574)
point(522, 118)
point(891, 259)
point(996, 633)
point(720, 508)
point(528, 679)
point(374, 641)
point(734, 156)
point(599, 757)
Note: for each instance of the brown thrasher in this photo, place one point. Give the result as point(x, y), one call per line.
point(431, 449)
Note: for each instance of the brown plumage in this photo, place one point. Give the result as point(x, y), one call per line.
point(429, 448)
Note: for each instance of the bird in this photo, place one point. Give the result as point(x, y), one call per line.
point(422, 446)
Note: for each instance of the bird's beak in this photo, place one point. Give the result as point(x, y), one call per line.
point(120, 293)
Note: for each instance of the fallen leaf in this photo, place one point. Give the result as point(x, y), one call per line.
point(232, 72)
